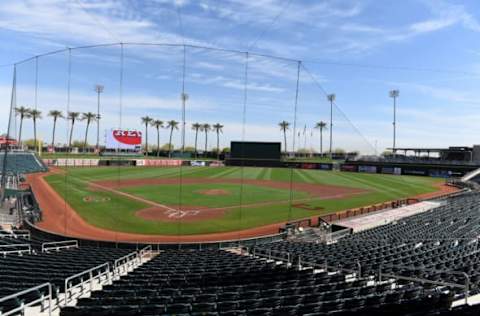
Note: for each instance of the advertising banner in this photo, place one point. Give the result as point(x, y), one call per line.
point(367, 169)
point(160, 163)
point(123, 139)
point(351, 168)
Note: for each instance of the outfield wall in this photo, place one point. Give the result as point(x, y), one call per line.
point(410, 169)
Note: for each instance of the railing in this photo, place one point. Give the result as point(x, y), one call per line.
point(288, 258)
point(21, 308)
point(142, 252)
point(272, 254)
point(24, 248)
point(21, 233)
point(91, 275)
point(122, 264)
point(465, 287)
point(324, 266)
point(57, 245)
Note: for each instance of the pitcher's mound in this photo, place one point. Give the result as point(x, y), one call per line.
point(214, 192)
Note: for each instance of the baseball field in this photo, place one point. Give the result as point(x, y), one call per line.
point(205, 200)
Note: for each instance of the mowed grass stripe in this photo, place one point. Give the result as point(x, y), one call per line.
point(262, 173)
point(304, 176)
point(379, 183)
point(268, 174)
point(223, 172)
point(372, 186)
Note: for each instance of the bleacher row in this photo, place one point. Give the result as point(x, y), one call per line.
point(27, 270)
point(20, 162)
point(214, 282)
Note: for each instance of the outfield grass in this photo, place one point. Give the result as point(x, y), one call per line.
point(118, 213)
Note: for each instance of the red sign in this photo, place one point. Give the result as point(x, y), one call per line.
point(128, 137)
point(123, 139)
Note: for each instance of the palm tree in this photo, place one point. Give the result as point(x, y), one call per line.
point(196, 127)
point(321, 126)
point(284, 125)
point(55, 114)
point(146, 120)
point(24, 113)
point(35, 115)
point(218, 129)
point(157, 124)
point(206, 128)
point(171, 125)
point(72, 116)
point(89, 117)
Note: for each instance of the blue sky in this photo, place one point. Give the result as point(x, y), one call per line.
point(428, 49)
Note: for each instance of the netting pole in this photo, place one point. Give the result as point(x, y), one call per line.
point(184, 98)
point(299, 64)
point(12, 110)
point(35, 106)
point(244, 121)
point(120, 121)
point(69, 77)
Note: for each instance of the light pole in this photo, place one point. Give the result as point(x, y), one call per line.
point(184, 97)
point(331, 98)
point(98, 89)
point(394, 94)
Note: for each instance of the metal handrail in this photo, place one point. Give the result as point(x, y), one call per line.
point(144, 250)
point(15, 234)
point(91, 277)
point(271, 254)
point(23, 305)
point(64, 244)
point(125, 262)
point(465, 286)
point(18, 251)
point(326, 267)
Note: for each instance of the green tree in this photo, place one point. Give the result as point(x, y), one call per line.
point(35, 115)
point(24, 113)
point(89, 117)
point(72, 117)
point(218, 129)
point(171, 125)
point(55, 114)
point(158, 124)
point(206, 128)
point(196, 127)
point(284, 126)
point(146, 120)
point(321, 126)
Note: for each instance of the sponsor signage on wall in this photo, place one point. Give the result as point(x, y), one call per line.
point(367, 169)
point(123, 139)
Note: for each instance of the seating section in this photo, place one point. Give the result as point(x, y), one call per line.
point(216, 282)
point(18, 273)
point(442, 239)
point(357, 275)
point(22, 162)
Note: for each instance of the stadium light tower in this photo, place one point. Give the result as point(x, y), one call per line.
point(394, 94)
point(184, 97)
point(98, 89)
point(331, 98)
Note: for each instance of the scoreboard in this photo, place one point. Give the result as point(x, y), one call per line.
point(266, 151)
